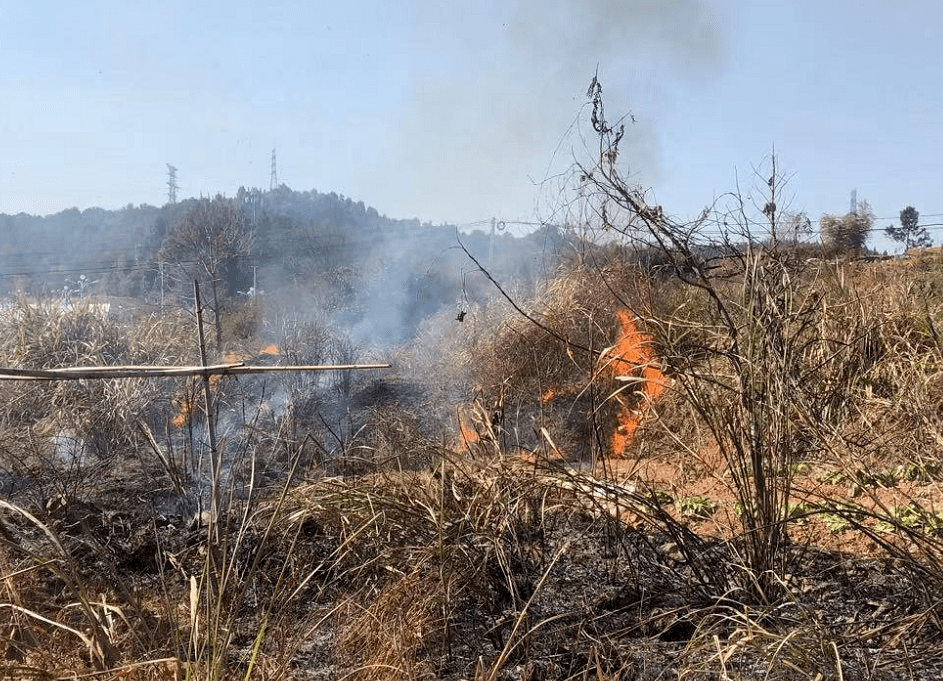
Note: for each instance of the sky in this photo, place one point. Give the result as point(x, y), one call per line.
point(462, 111)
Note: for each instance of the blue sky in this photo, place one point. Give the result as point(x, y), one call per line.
point(456, 112)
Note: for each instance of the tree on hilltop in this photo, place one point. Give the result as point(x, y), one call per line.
point(910, 233)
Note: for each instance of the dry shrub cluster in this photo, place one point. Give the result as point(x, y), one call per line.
point(65, 430)
point(553, 369)
point(439, 555)
point(242, 320)
point(899, 311)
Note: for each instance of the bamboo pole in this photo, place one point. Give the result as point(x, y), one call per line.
point(133, 371)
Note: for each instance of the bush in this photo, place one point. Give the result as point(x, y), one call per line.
point(848, 233)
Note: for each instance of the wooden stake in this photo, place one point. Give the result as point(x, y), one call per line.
point(208, 406)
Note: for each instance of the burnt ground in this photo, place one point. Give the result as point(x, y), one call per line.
point(572, 592)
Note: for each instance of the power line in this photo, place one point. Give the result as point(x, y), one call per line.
point(926, 215)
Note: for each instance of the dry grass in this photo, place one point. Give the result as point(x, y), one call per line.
point(398, 551)
point(62, 436)
point(425, 547)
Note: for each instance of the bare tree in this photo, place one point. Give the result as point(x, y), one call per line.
point(205, 242)
point(738, 349)
point(795, 228)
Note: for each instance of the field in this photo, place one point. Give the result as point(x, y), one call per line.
point(596, 485)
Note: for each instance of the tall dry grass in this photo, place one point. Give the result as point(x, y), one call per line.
point(63, 435)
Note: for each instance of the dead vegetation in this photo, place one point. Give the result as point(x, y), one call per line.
point(515, 502)
point(398, 553)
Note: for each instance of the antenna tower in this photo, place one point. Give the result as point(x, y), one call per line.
point(273, 183)
point(171, 184)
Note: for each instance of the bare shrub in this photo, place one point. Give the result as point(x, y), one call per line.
point(747, 354)
point(242, 320)
point(848, 233)
point(302, 341)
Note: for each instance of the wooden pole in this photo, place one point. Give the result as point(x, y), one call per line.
point(208, 405)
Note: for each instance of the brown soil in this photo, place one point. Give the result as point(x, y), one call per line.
point(706, 476)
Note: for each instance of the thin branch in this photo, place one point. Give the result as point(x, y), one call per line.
point(521, 311)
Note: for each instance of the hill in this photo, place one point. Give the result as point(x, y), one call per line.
point(321, 254)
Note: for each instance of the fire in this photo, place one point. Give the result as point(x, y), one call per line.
point(184, 411)
point(633, 357)
point(468, 434)
point(184, 403)
point(186, 400)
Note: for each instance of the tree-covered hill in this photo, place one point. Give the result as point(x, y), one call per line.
point(377, 275)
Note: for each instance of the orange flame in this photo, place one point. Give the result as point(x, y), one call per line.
point(186, 400)
point(632, 356)
point(467, 432)
point(271, 349)
point(549, 395)
point(184, 412)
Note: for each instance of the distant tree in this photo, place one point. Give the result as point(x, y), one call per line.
point(910, 233)
point(849, 232)
point(795, 227)
point(205, 242)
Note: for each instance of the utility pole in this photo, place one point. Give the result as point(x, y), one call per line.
point(171, 184)
point(499, 226)
point(491, 245)
point(273, 182)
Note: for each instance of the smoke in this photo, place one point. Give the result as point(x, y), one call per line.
point(486, 118)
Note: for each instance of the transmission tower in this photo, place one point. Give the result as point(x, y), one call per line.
point(171, 184)
point(273, 183)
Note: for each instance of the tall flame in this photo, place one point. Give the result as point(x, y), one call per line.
point(633, 357)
